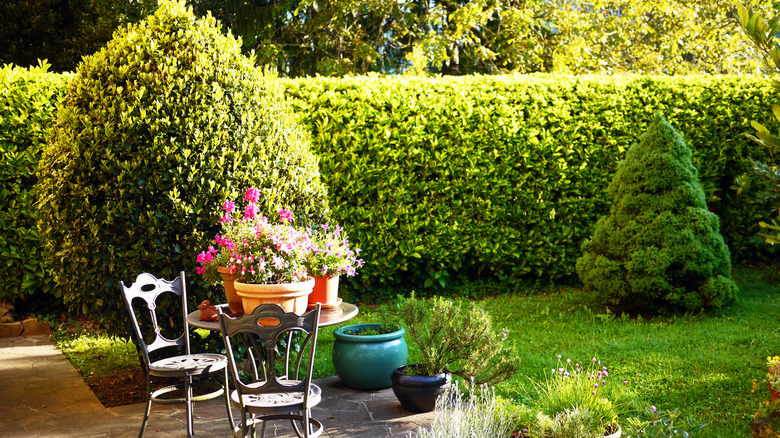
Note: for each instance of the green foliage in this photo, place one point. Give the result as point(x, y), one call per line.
point(764, 36)
point(574, 400)
point(442, 178)
point(62, 31)
point(342, 37)
point(155, 131)
point(666, 424)
point(27, 110)
point(659, 248)
point(662, 36)
point(458, 340)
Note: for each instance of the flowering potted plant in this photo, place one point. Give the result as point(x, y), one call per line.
point(267, 259)
point(330, 256)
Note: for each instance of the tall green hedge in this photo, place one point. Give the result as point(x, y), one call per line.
point(28, 98)
point(507, 175)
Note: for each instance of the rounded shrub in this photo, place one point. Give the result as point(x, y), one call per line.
point(659, 248)
point(156, 130)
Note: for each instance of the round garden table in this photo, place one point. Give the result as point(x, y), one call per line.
point(328, 316)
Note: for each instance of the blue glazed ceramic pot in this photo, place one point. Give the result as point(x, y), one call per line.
point(367, 361)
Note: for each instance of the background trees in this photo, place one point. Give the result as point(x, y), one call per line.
point(338, 37)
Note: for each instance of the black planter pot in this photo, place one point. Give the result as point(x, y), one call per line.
point(418, 393)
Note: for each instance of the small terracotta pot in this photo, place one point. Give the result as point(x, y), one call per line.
point(325, 292)
point(234, 301)
point(293, 297)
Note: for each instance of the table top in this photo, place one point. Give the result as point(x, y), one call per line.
point(328, 316)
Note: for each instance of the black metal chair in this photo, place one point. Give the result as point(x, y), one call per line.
point(154, 339)
point(267, 390)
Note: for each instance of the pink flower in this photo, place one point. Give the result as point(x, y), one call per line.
point(252, 195)
point(251, 211)
point(652, 408)
point(285, 215)
point(229, 206)
point(225, 219)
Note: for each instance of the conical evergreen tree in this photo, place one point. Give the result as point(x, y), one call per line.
point(659, 248)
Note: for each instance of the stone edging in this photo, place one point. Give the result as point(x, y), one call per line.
point(28, 327)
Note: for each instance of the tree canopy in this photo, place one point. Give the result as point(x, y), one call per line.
point(338, 37)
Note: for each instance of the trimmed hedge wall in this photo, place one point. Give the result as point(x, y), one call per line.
point(436, 177)
point(28, 99)
point(507, 175)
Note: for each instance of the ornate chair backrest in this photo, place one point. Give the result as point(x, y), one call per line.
point(263, 333)
point(149, 289)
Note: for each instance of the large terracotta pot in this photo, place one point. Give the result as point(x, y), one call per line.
point(326, 291)
point(234, 301)
point(293, 297)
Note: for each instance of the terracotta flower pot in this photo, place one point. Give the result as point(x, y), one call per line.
point(234, 301)
point(325, 292)
point(293, 297)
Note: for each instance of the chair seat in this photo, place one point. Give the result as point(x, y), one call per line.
point(188, 365)
point(281, 400)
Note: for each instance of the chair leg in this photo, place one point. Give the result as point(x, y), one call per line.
point(188, 401)
point(227, 401)
point(306, 426)
point(148, 409)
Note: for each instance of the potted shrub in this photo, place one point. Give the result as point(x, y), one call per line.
point(267, 259)
point(452, 340)
point(330, 257)
point(365, 355)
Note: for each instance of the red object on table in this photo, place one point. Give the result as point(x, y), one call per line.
point(207, 311)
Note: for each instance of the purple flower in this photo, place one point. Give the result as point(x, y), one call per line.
point(652, 408)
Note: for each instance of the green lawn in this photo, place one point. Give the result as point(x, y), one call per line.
point(702, 365)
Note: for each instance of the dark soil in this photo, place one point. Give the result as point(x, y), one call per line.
point(122, 387)
point(127, 387)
